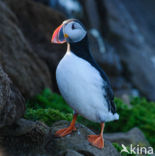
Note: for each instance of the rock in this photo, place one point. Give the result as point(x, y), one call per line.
point(72, 8)
point(77, 141)
point(131, 44)
point(23, 66)
point(70, 153)
point(2, 153)
point(135, 136)
point(38, 23)
point(143, 18)
point(23, 127)
point(92, 14)
point(126, 99)
point(7, 13)
point(46, 2)
point(35, 138)
point(12, 104)
point(24, 138)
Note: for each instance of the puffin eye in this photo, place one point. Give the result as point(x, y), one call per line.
point(73, 26)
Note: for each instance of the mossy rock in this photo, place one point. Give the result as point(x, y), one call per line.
point(50, 107)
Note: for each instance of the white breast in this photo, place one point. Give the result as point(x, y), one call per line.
point(82, 87)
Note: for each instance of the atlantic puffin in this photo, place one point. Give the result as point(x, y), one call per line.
point(82, 83)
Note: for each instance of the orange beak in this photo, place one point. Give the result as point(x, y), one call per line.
point(58, 36)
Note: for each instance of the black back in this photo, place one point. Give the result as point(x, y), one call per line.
point(81, 49)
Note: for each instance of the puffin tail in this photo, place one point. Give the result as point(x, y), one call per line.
point(116, 116)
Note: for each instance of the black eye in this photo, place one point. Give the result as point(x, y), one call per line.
point(73, 26)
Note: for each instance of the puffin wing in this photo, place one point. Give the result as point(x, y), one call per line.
point(110, 99)
point(109, 92)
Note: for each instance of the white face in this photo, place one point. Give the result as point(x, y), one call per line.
point(75, 31)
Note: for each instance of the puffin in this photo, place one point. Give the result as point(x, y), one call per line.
point(82, 83)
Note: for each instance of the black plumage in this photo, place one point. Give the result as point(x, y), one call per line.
point(81, 49)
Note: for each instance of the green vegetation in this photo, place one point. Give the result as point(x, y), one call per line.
point(48, 116)
point(50, 107)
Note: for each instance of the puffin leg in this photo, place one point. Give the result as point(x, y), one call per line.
point(65, 131)
point(97, 140)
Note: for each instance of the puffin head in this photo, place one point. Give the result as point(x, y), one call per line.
point(70, 31)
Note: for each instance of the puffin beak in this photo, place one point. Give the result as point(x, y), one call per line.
point(58, 35)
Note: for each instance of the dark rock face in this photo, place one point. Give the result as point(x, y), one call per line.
point(92, 13)
point(46, 2)
point(12, 104)
point(23, 127)
point(38, 23)
point(24, 138)
point(135, 51)
point(38, 139)
point(19, 61)
point(77, 141)
point(135, 136)
point(143, 13)
point(21, 70)
point(70, 153)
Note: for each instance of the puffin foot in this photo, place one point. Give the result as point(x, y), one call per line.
point(96, 140)
point(65, 131)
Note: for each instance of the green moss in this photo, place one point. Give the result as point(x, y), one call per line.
point(48, 116)
point(50, 107)
point(47, 99)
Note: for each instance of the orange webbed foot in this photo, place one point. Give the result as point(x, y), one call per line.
point(96, 140)
point(65, 131)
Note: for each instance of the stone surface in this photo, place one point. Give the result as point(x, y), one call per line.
point(2, 153)
point(46, 2)
point(77, 141)
point(38, 23)
point(132, 45)
point(22, 127)
point(143, 18)
point(135, 136)
point(24, 138)
point(92, 14)
point(22, 65)
point(36, 139)
point(70, 153)
point(12, 104)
